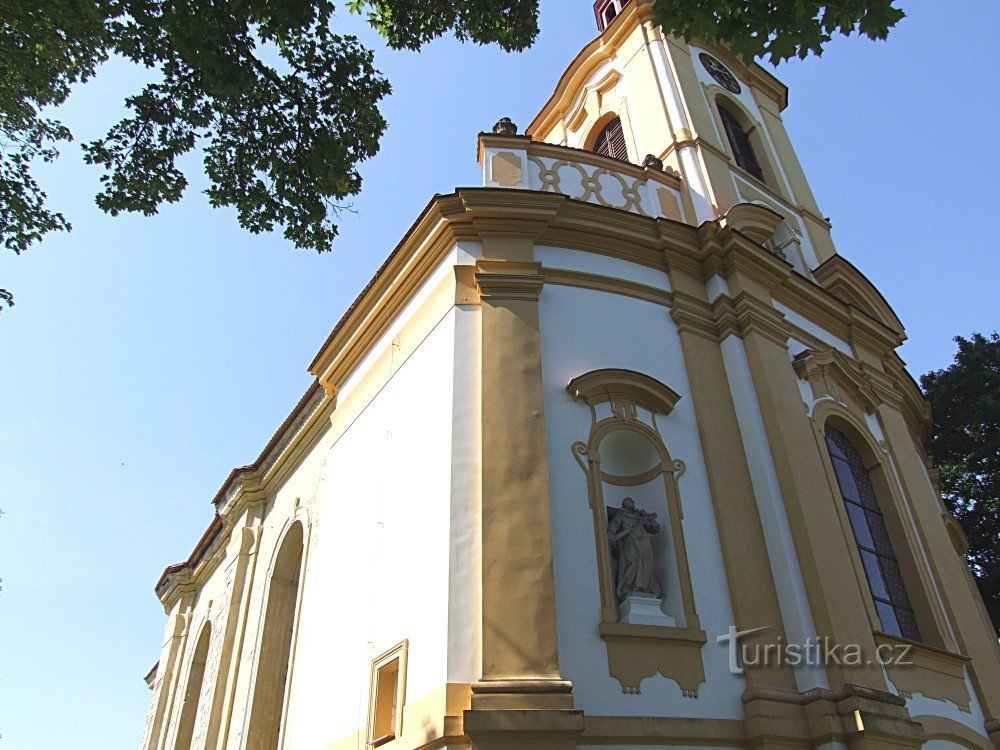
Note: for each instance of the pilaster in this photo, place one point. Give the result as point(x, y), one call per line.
point(972, 630)
point(236, 625)
point(744, 549)
point(519, 640)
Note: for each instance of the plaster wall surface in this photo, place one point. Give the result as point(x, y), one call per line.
point(388, 501)
point(584, 330)
point(378, 567)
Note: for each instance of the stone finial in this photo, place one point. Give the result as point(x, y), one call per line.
point(504, 126)
point(653, 162)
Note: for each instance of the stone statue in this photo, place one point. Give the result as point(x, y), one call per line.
point(629, 531)
point(504, 126)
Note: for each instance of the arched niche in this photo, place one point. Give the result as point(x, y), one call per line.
point(271, 681)
point(193, 690)
point(624, 456)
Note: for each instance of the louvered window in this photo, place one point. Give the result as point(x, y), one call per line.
point(739, 141)
point(611, 141)
point(877, 557)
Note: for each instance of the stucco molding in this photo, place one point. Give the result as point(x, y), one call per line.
point(509, 280)
point(933, 672)
point(844, 281)
point(942, 728)
point(831, 374)
point(638, 652)
point(623, 388)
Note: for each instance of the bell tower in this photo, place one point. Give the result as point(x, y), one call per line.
point(635, 93)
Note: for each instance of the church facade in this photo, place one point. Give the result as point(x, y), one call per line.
point(614, 450)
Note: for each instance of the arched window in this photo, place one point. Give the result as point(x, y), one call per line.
point(877, 556)
point(739, 142)
point(607, 10)
point(192, 693)
point(611, 141)
point(276, 645)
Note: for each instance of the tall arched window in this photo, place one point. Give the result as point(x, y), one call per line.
point(739, 142)
point(192, 693)
point(881, 566)
point(611, 141)
point(276, 645)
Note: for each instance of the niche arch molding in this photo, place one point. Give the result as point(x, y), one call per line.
point(626, 404)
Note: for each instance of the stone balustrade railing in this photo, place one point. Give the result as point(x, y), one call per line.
point(518, 162)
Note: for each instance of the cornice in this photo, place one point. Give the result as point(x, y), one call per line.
point(728, 316)
point(509, 280)
point(745, 314)
point(477, 214)
point(842, 279)
point(247, 485)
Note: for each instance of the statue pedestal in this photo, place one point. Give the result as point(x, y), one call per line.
point(638, 609)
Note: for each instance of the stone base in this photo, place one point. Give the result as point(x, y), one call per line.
point(643, 610)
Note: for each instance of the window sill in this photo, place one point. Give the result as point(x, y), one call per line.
point(931, 671)
point(764, 187)
point(379, 741)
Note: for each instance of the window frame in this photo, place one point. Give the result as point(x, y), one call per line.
point(875, 548)
point(601, 8)
point(602, 135)
point(398, 652)
point(740, 143)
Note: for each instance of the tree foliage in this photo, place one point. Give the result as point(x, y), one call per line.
point(966, 448)
point(282, 107)
point(776, 29)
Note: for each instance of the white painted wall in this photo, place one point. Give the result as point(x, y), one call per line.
point(390, 508)
point(584, 330)
point(578, 260)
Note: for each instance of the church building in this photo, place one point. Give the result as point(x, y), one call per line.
point(614, 451)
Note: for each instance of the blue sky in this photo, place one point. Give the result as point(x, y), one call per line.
point(148, 356)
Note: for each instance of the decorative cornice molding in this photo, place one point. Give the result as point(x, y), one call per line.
point(509, 280)
point(745, 314)
point(728, 316)
point(835, 375)
point(622, 388)
point(845, 282)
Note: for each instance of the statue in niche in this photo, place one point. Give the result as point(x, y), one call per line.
point(628, 533)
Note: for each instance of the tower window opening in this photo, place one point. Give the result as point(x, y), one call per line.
point(611, 141)
point(739, 142)
point(607, 10)
point(877, 557)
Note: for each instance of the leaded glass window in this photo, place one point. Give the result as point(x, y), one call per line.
point(739, 142)
point(877, 557)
